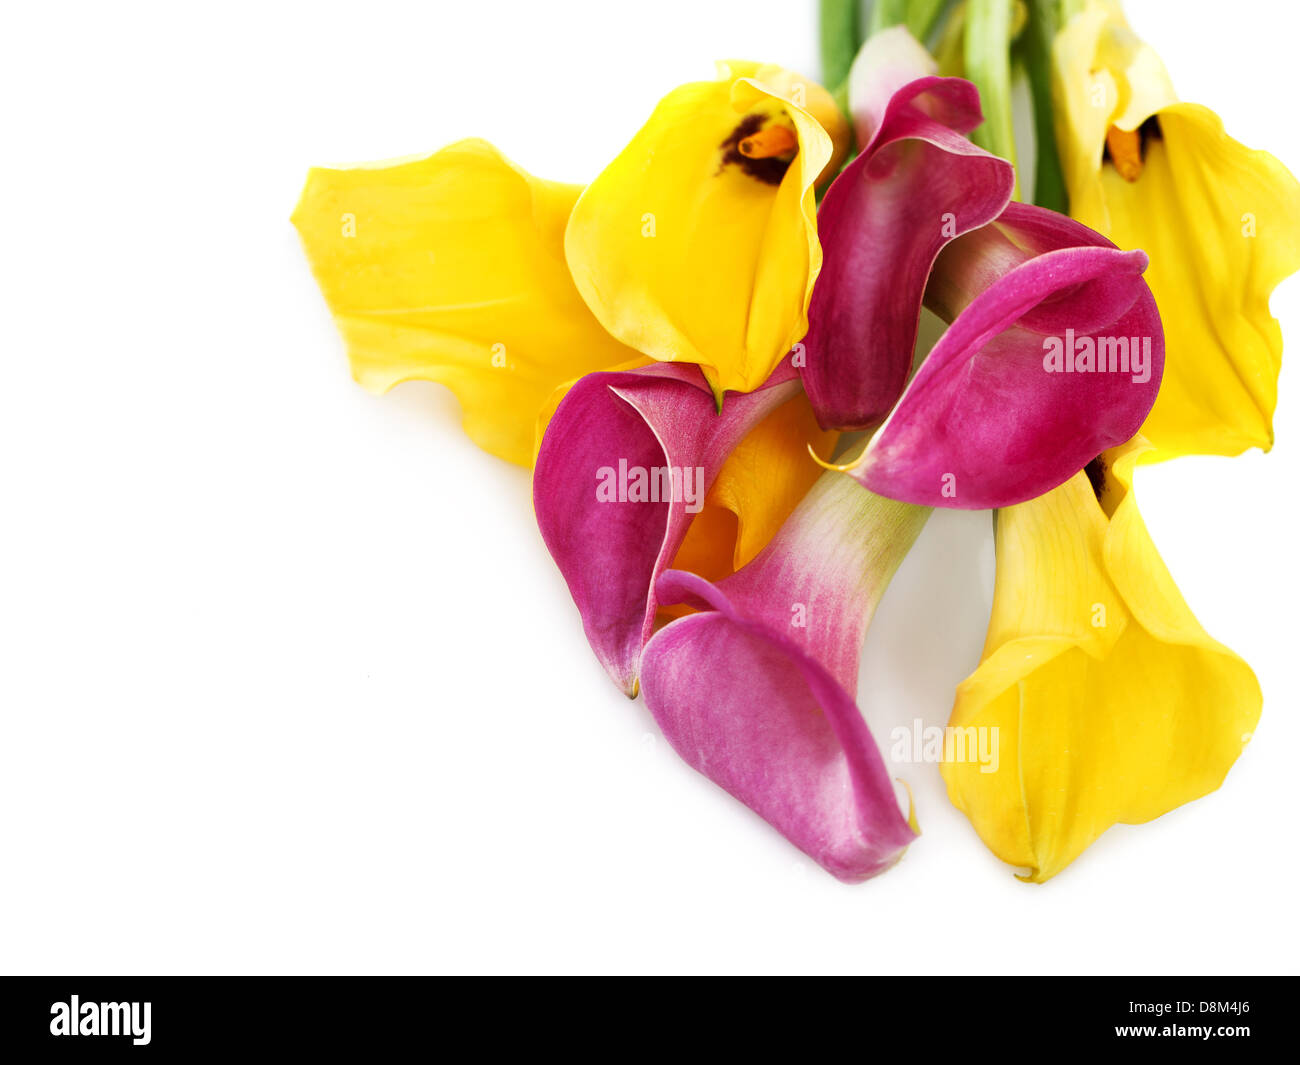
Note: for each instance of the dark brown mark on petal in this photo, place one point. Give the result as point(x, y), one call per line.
point(769, 170)
point(1109, 491)
point(1096, 471)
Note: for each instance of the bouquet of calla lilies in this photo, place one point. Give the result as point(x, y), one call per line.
point(709, 358)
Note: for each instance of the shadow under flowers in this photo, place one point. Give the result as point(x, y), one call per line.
point(924, 640)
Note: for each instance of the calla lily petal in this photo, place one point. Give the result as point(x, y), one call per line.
point(917, 184)
point(1000, 411)
point(1112, 704)
point(1221, 223)
point(691, 246)
point(767, 475)
point(763, 480)
point(754, 691)
point(625, 464)
point(450, 267)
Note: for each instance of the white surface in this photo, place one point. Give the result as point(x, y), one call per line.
point(288, 681)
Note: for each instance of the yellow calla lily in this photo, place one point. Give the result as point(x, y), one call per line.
point(698, 243)
point(1220, 222)
point(1111, 703)
point(450, 267)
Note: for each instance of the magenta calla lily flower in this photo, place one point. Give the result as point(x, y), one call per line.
point(992, 417)
point(755, 690)
point(1054, 354)
point(917, 184)
point(624, 466)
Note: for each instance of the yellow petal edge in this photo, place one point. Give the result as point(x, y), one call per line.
point(450, 267)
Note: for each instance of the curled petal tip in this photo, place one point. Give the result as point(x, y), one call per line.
point(911, 807)
point(833, 467)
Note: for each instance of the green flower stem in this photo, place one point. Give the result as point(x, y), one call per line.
point(841, 34)
point(886, 13)
point(988, 65)
point(1049, 182)
point(922, 16)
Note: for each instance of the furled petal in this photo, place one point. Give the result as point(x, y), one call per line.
point(600, 498)
point(450, 267)
point(993, 417)
point(690, 251)
point(754, 691)
point(1112, 704)
point(1220, 222)
point(917, 184)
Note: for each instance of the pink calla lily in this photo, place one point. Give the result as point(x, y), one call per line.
point(922, 215)
point(1054, 354)
point(917, 184)
point(638, 432)
point(755, 690)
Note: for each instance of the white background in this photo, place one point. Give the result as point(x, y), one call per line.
point(287, 679)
